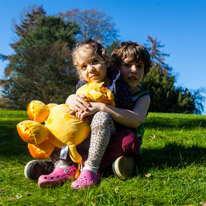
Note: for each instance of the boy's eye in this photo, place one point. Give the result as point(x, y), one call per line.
point(127, 65)
point(140, 66)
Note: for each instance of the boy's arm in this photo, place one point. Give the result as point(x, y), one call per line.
point(123, 116)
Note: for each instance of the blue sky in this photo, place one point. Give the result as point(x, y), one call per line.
point(179, 24)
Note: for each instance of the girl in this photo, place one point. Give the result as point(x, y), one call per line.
point(93, 65)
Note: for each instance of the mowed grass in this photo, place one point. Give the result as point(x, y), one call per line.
point(172, 170)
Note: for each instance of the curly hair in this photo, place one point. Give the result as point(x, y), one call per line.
point(95, 46)
point(133, 50)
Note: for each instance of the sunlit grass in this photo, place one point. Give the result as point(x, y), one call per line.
point(172, 170)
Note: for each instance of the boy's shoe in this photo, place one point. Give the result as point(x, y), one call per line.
point(58, 176)
point(123, 167)
point(35, 168)
point(86, 179)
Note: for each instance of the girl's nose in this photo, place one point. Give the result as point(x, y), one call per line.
point(90, 67)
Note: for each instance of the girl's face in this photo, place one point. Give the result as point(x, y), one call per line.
point(91, 66)
point(132, 73)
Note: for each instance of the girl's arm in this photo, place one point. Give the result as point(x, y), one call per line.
point(77, 103)
point(125, 117)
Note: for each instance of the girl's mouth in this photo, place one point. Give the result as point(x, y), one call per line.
point(93, 76)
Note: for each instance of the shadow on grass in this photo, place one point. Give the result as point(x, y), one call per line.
point(10, 142)
point(175, 123)
point(172, 155)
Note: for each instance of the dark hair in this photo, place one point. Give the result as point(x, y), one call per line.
point(133, 50)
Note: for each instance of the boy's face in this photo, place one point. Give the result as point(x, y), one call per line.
point(132, 72)
point(91, 66)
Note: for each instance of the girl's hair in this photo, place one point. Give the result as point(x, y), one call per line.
point(95, 46)
point(131, 50)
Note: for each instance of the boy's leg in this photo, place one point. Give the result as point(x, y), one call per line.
point(124, 143)
point(102, 127)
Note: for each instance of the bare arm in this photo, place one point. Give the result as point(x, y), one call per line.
point(125, 117)
point(77, 103)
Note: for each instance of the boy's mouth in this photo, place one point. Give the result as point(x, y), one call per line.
point(132, 78)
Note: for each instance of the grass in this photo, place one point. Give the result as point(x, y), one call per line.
point(172, 170)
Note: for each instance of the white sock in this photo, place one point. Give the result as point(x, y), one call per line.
point(91, 168)
point(61, 164)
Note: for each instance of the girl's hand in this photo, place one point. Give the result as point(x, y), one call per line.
point(92, 109)
point(77, 103)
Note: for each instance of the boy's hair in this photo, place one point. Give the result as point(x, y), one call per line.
point(95, 46)
point(132, 50)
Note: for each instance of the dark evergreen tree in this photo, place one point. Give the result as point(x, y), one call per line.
point(41, 67)
point(160, 83)
point(112, 46)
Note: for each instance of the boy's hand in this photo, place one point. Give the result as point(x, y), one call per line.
point(77, 103)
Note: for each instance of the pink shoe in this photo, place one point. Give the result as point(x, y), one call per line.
point(58, 176)
point(86, 179)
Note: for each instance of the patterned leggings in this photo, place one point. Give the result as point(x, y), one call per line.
point(102, 127)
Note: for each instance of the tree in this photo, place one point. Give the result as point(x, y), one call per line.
point(157, 56)
point(93, 24)
point(165, 97)
point(160, 83)
point(41, 67)
point(112, 46)
point(28, 21)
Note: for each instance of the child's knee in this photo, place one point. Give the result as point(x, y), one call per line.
point(130, 143)
point(101, 119)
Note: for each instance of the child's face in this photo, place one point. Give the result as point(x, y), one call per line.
point(132, 72)
point(90, 65)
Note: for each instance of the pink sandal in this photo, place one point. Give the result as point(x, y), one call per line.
point(86, 179)
point(58, 176)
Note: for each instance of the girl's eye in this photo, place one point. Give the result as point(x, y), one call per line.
point(95, 61)
point(84, 67)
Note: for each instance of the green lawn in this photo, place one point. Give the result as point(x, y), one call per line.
point(172, 170)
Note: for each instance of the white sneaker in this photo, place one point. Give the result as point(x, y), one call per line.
point(123, 167)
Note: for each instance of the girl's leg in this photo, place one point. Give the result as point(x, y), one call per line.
point(102, 127)
point(64, 170)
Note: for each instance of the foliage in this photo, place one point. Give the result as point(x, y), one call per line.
point(41, 67)
point(160, 83)
point(112, 46)
point(165, 97)
point(157, 56)
point(170, 172)
point(94, 24)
